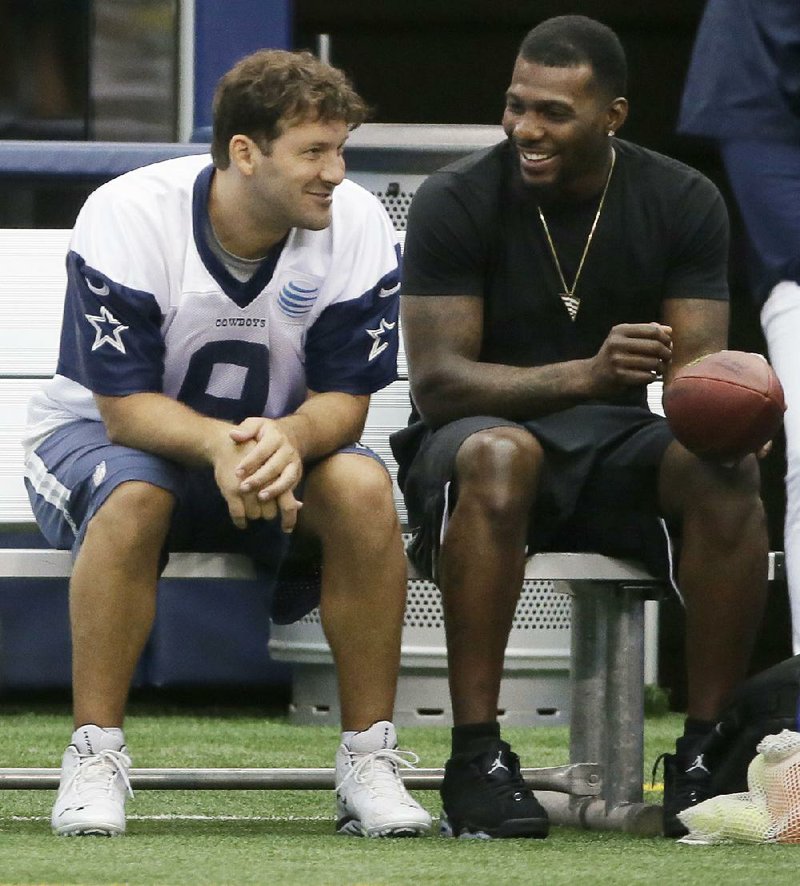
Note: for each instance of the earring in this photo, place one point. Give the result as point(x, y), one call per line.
point(610, 133)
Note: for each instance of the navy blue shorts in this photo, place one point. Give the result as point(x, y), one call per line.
point(77, 467)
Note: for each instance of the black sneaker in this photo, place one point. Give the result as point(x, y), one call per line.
point(485, 797)
point(687, 782)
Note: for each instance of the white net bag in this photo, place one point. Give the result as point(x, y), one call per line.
point(769, 812)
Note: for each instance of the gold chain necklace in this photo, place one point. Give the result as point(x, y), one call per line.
point(568, 295)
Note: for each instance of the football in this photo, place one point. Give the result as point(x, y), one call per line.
point(725, 405)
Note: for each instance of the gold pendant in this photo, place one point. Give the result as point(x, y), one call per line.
point(570, 303)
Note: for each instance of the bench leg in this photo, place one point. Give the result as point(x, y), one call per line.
point(625, 697)
point(587, 739)
point(607, 716)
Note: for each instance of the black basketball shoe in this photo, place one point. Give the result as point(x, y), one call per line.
point(485, 797)
point(687, 782)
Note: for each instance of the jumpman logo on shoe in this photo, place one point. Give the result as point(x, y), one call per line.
point(698, 764)
point(498, 764)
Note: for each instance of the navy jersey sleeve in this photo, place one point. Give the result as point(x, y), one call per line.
point(110, 337)
point(352, 347)
point(698, 255)
point(445, 249)
point(111, 334)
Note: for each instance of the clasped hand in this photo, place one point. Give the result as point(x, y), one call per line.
point(258, 472)
point(633, 354)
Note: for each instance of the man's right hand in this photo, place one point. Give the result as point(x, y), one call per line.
point(244, 506)
point(156, 423)
point(633, 355)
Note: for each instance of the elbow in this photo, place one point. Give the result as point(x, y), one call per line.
point(435, 401)
point(114, 428)
point(112, 411)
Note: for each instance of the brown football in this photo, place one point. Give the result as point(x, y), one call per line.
point(725, 405)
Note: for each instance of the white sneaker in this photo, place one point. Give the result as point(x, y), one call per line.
point(371, 799)
point(92, 793)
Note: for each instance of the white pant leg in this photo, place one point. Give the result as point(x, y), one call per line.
point(780, 320)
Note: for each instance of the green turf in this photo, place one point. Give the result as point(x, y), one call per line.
point(286, 837)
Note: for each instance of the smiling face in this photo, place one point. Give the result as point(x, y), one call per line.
point(293, 178)
point(558, 122)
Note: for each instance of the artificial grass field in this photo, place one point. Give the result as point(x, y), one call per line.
point(286, 837)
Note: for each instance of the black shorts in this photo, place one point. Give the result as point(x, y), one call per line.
point(598, 489)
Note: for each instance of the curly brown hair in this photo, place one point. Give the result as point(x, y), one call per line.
point(271, 89)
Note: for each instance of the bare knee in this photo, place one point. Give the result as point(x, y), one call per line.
point(497, 470)
point(349, 491)
point(135, 517)
point(726, 499)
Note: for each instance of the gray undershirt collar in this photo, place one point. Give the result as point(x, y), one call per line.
point(241, 269)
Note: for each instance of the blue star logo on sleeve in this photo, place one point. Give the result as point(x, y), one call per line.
point(378, 346)
point(108, 330)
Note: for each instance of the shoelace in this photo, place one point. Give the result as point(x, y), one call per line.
point(686, 791)
point(659, 761)
point(94, 767)
point(380, 768)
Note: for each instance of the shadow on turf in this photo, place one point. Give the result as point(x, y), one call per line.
point(219, 701)
point(187, 829)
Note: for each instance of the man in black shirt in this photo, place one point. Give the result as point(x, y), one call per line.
point(547, 282)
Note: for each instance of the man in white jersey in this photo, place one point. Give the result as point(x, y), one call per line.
point(226, 321)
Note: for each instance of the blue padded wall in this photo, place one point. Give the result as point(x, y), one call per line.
point(224, 33)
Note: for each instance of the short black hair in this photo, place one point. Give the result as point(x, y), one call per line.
point(568, 41)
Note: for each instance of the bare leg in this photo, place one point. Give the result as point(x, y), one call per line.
point(483, 563)
point(722, 571)
point(112, 598)
point(348, 504)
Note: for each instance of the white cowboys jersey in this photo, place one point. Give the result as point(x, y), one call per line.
point(150, 308)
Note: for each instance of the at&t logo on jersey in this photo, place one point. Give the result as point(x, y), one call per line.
point(296, 297)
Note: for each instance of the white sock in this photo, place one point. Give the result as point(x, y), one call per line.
point(91, 739)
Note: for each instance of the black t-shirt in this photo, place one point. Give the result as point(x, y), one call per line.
point(473, 230)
